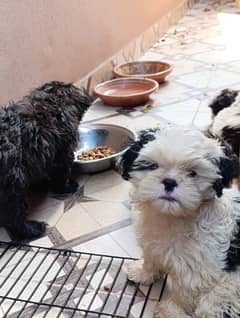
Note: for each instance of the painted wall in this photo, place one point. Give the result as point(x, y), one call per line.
point(43, 40)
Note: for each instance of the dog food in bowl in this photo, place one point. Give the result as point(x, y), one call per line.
point(96, 153)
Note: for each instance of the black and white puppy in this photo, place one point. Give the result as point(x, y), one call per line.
point(187, 225)
point(37, 138)
point(226, 119)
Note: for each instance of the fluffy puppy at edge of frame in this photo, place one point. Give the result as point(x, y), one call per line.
point(226, 120)
point(187, 224)
point(38, 136)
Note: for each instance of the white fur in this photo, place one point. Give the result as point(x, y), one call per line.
point(187, 238)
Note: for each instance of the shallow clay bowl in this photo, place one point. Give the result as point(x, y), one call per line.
point(148, 69)
point(126, 91)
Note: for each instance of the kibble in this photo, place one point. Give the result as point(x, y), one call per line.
point(96, 153)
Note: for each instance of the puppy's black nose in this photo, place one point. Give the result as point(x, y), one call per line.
point(169, 184)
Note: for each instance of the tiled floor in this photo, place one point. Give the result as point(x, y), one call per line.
point(205, 58)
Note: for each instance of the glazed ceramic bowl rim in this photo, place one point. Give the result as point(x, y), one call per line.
point(117, 154)
point(117, 69)
point(128, 79)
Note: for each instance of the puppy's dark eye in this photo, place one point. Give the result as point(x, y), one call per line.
point(144, 165)
point(192, 173)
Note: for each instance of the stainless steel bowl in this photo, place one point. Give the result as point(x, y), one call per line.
point(93, 135)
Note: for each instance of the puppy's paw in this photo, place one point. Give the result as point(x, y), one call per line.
point(69, 187)
point(28, 230)
point(34, 229)
point(166, 309)
point(136, 273)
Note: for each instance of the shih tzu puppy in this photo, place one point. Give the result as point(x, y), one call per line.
point(187, 225)
point(38, 136)
point(226, 119)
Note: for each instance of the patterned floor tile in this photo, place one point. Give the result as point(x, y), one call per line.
point(105, 213)
point(104, 244)
point(102, 181)
point(209, 79)
point(171, 92)
point(114, 194)
point(144, 122)
point(184, 65)
point(76, 222)
point(43, 241)
point(180, 113)
point(217, 56)
point(98, 110)
point(46, 210)
point(125, 237)
point(188, 47)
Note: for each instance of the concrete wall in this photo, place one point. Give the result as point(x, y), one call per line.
point(42, 40)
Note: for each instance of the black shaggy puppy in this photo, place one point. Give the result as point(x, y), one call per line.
point(37, 138)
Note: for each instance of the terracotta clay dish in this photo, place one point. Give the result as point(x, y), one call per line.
point(148, 69)
point(126, 91)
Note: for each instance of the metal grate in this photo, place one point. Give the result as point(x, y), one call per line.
point(47, 282)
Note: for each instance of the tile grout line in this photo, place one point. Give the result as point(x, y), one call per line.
point(95, 234)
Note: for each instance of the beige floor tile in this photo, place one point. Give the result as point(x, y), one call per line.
point(47, 210)
point(137, 123)
point(184, 46)
point(102, 245)
point(106, 213)
point(126, 238)
point(216, 56)
point(98, 110)
point(120, 120)
point(76, 222)
point(43, 242)
point(144, 122)
point(152, 56)
point(114, 194)
point(184, 66)
point(210, 79)
point(101, 181)
point(171, 92)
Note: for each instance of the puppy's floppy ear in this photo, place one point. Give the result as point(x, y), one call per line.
point(225, 99)
point(126, 162)
point(228, 169)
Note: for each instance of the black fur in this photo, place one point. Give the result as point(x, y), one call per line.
point(228, 165)
point(127, 161)
point(232, 136)
point(225, 99)
point(228, 169)
point(233, 253)
point(37, 138)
